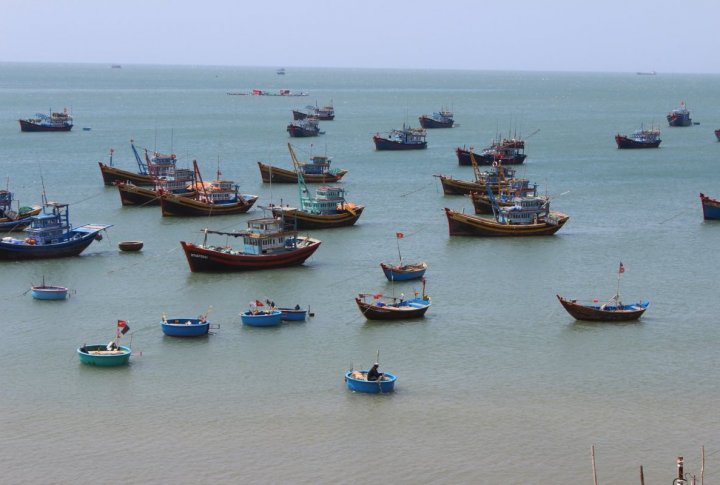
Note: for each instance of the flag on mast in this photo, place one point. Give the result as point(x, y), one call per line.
point(621, 269)
point(122, 327)
point(399, 235)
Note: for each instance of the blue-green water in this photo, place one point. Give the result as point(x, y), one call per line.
point(496, 385)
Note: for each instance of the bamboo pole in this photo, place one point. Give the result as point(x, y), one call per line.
point(593, 465)
point(642, 476)
point(702, 466)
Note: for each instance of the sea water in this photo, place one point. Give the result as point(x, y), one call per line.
point(497, 384)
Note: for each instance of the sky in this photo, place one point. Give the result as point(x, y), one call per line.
point(527, 35)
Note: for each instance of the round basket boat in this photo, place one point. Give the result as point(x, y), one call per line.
point(46, 292)
point(98, 355)
point(261, 319)
point(185, 327)
point(357, 381)
point(130, 245)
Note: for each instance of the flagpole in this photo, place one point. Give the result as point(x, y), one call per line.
point(617, 292)
point(397, 240)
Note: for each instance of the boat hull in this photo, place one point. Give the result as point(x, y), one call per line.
point(297, 219)
point(594, 313)
point(293, 315)
point(385, 144)
point(370, 387)
point(463, 157)
point(205, 259)
point(373, 312)
point(428, 122)
point(299, 132)
point(73, 247)
point(453, 186)
point(483, 205)
point(88, 355)
point(676, 121)
point(111, 175)
point(460, 224)
point(404, 273)
point(301, 115)
point(272, 319)
point(175, 205)
point(130, 246)
point(16, 225)
point(134, 196)
point(710, 207)
point(717, 134)
point(275, 175)
point(625, 142)
point(33, 127)
point(49, 292)
point(184, 327)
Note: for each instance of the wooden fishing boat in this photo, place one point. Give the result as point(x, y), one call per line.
point(498, 178)
point(357, 381)
point(327, 209)
point(717, 134)
point(266, 245)
point(185, 327)
point(376, 307)
point(326, 113)
point(406, 139)
point(296, 314)
point(130, 246)
point(505, 197)
point(109, 355)
point(50, 235)
point(710, 207)
point(270, 318)
point(403, 272)
point(216, 198)
point(159, 166)
point(439, 119)
point(641, 138)
point(460, 224)
point(11, 220)
point(613, 312)
point(508, 151)
point(181, 183)
point(53, 122)
point(317, 170)
point(48, 292)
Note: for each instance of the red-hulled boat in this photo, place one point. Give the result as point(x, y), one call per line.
point(266, 245)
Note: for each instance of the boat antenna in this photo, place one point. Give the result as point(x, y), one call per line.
point(377, 356)
point(621, 270)
point(44, 195)
point(398, 236)
point(172, 132)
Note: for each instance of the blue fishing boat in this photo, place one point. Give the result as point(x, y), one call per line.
point(357, 381)
point(405, 139)
point(185, 327)
point(261, 318)
point(48, 292)
point(710, 207)
point(50, 235)
point(296, 314)
point(403, 272)
point(11, 220)
point(107, 355)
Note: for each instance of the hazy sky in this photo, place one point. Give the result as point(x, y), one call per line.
point(566, 35)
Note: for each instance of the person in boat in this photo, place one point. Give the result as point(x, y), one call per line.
point(112, 345)
point(373, 374)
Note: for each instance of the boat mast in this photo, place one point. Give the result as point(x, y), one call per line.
point(397, 239)
point(199, 177)
point(301, 180)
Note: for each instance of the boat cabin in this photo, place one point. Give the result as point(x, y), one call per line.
point(49, 228)
point(317, 165)
point(266, 235)
point(328, 199)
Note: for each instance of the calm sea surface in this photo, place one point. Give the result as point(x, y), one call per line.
point(498, 384)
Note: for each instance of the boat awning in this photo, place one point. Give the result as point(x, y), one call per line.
point(88, 228)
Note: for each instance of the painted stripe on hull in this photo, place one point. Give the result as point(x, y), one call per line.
point(303, 220)
point(173, 205)
point(201, 259)
point(373, 313)
point(383, 144)
point(431, 123)
point(282, 176)
point(71, 248)
point(31, 127)
point(137, 196)
point(111, 175)
point(465, 225)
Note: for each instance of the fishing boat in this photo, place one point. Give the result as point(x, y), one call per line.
point(130, 246)
point(326, 113)
point(316, 170)
point(717, 134)
point(48, 292)
point(295, 314)
point(403, 272)
point(505, 197)
point(216, 198)
point(439, 119)
point(639, 139)
point(710, 207)
point(304, 128)
point(374, 306)
point(406, 139)
point(151, 168)
point(181, 183)
point(53, 122)
point(326, 210)
point(498, 177)
point(505, 151)
point(281, 71)
point(612, 311)
point(185, 327)
point(528, 216)
point(14, 220)
point(107, 355)
point(357, 381)
point(255, 317)
point(261, 92)
point(679, 116)
point(266, 244)
point(50, 235)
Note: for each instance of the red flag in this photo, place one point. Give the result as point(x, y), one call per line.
point(259, 303)
point(122, 327)
point(621, 270)
point(377, 296)
point(399, 235)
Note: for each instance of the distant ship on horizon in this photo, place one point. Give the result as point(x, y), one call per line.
point(646, 73)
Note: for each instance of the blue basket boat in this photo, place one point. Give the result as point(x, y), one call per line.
point(357, 382)
point(261, 319)
point(100, 356)
point(185, 327)
point(47, 292)
point(293, 314)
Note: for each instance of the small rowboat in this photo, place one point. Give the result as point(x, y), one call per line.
point(405, 272)
point(616, 312)
point(293, 314)
point(357, 381)
point(47, 292)
point(130, 245)
point(261, 319)
point(185, 327)
point(99, 355)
